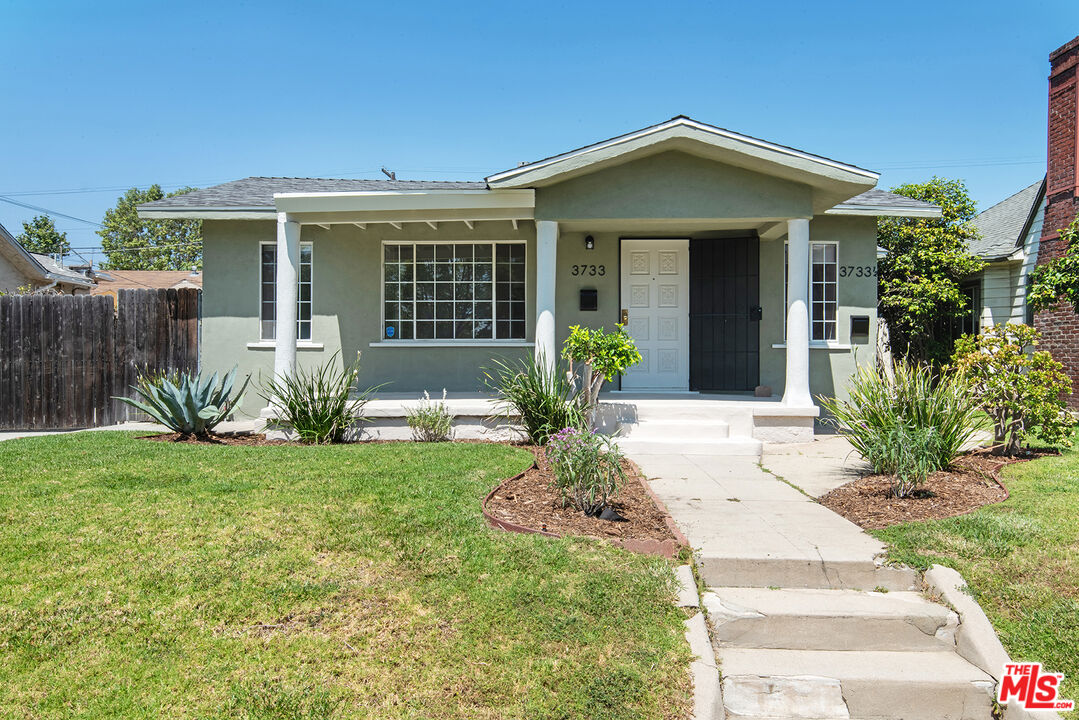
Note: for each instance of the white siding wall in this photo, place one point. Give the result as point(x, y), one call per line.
point(1001, 300)
point(1031, 243)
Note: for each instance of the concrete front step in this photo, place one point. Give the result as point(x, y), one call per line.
point(814, 619)
point(936, 685)
point(666, 445)
point(679, 430)
point(794, 572)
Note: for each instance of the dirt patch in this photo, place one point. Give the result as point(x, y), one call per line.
point(972, 482)
point(212, 439)
point(528, 503)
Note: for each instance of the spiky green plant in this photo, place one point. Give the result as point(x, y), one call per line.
point(319, 404)
point(541, 398)
point(186, 402)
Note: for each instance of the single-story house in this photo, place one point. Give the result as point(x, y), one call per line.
point(1010, 234)
point(734, 262)
point(108, 283)
point(21, 269)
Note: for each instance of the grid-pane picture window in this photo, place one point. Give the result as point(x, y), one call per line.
point(823, 290)
point(454, 291)
point(268, 293)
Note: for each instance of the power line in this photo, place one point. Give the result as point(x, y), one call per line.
point(46, 211)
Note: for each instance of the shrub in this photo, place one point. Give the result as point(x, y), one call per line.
point(1022, 391)
point(430, 421)
point(187, 403)
point(587, 468)
point(906, 423)
point(542, 398)
point(603, 355)
point(318, 404)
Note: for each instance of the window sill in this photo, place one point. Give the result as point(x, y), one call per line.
point(818, 345)
point(271, 345)
point(452, 343)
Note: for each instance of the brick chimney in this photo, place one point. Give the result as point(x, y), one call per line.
point(1060, 326)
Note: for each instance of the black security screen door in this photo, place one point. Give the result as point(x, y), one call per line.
point(724, 314)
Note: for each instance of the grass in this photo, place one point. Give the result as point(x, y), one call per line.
point(1020, 559)
point(142, 579)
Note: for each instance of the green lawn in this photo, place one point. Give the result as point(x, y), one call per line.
point(1020, 558)
point(143, 579)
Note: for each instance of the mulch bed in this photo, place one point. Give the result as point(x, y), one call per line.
point(528, 503)
point(972, 482)
point(238, 439)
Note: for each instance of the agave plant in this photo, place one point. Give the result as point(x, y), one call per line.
point(187, 403)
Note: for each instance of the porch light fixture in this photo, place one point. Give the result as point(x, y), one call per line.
point(589, 242)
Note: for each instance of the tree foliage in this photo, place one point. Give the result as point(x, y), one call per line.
point(920, 294)
point(1058, 279)
point(1021, 389)
point(41, 236)
point(131, 243)
point(605, 356)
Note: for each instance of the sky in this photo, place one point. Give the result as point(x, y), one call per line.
point(100, 97)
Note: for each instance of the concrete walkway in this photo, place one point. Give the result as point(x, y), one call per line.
point(806, 621)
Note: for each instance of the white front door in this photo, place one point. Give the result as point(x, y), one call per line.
point(655, 298)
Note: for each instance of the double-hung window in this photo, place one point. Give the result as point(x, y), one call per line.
point(453, 291)
point(823, 290)
point(268, 290)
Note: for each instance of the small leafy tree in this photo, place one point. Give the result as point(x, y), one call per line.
point(41, 236)
point(920, 294)
point(131, 243)
point(1058, 279)
point(1021, 389)
point(603, 355)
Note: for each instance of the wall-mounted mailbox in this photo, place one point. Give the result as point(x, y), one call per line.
point(589, 299)
point(859, 327)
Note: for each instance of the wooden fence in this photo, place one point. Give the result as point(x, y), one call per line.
point(64, 357)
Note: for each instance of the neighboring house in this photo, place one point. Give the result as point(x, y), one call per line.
point(20, 268)
point(1010, 236)
point(682, 230)
point(110, 281)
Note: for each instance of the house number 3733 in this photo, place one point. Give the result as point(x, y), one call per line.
point(590, 270)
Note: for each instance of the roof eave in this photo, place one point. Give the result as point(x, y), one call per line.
point(260, 212)
point(930, 212)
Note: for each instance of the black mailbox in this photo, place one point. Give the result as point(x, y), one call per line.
point(859, 327)
point(589, 299)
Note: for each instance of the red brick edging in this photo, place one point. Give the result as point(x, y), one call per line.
point(663, 548)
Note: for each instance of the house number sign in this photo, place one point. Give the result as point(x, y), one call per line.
point(590, 270)
point(857, 270)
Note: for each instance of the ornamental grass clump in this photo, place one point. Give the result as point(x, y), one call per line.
point(909, 424)
point(185, 402)
point(587, 468)
point(540, 397)
point(430, 421)
point(319, 404)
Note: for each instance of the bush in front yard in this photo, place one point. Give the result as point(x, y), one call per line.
point(185, 402)
point(318, 404)
point(908, 425)
point(1022, 390)
point(430, 421)
point(603, 355)
point(541, 398)
point(587, 468)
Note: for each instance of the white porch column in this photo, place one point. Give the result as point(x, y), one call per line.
point(796, 388)
point(546, 255)
point(288, 264)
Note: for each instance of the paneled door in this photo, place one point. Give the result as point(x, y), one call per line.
point(655, 304)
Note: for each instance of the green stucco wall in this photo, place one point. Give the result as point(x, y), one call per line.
point(828, 368)
point(673, 185)
point(347, 272)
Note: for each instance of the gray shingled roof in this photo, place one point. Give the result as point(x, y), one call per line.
point(1002, 225)
point(258, 192)
point(887, 199)
point(62, 271)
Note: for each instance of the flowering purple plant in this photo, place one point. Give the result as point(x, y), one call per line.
point(587, 468)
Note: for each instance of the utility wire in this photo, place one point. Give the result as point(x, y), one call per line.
point(47, 211)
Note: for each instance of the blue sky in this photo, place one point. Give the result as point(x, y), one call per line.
point(103, 96)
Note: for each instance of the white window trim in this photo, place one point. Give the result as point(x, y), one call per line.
point(264, 343)
point(444, 342)
point(814, 344)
